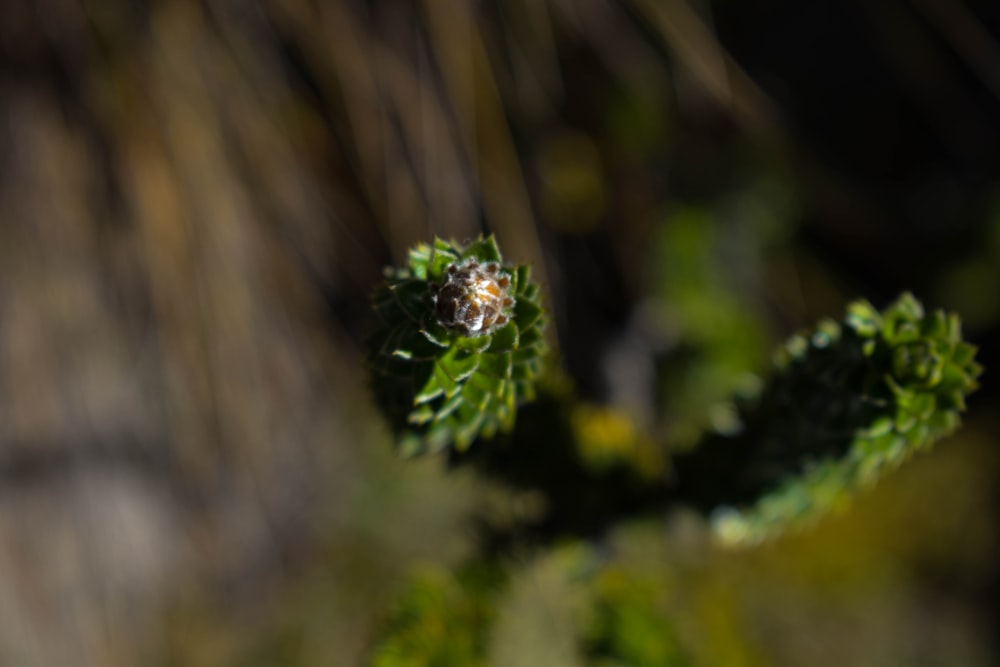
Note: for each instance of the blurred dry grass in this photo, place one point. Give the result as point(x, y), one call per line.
point(195, 198)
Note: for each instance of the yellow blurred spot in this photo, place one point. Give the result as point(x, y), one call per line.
point(607, 437)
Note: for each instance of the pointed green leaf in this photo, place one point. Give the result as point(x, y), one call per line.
point(863, 318)
point(449, 407)
point(415, 346)
point(431, 390)
point(908, 306)
point(523, 278)
point(421, 415)
point(528, 337)
point(444, 256)
point(419, 256)
point(526, 370)
point(963, 353)
point(904, 421)
point(483, 249)
point(437, 334)
point(953, 400)
point(469, 420)
point(478, 397)
point(504, 339)
point(459, 364)
point(954, 334)
point(526, 313)
point(487, 383)
point(445, 381)
point(476, 344)
point(496, 365)
point(489, 427)
point(525, 390)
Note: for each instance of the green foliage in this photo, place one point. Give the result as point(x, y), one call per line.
point(626, 624)
point(440, 621)
point(706, 263)
point(846, 404)
point(440, 386)
point(612, 616)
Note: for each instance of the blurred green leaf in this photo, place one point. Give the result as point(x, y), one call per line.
point(839, 411)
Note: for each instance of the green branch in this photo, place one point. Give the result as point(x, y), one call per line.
point(846, 403)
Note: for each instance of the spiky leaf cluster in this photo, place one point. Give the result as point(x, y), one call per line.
point(847, 403)
point(439, 386)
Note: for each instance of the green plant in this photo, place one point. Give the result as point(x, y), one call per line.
point(841, 406)
point(457, 344)
point(845, 404)
point(440, 620)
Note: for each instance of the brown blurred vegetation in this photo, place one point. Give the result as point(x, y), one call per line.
point(196, 197)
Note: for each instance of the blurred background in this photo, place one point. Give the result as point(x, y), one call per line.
point(196, 199)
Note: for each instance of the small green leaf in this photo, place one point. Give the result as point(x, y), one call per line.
point(919, 435)
point(526, 313)
point(478, 397)
point(504, 339)
point(523, 275)
point(954, 328)
point(415, 346)
point(421, 415)
point(935, 325)
point(484, 249)
point(496, 365)
point(863, 318)
point(509, 402)
point(528, 337)
point(469, 422)
point(437, 334)
point(908, 306)
point(459, 364)
point(449, 406)
point(419, 257)
point(963, 354)
point(449, 384)
point(526, 390)
point(879, 428)
point(526, 370)
point(431, 390)
point(489, 427)
point(524, 356)
point(953, 400)
point(476, 344)
point(904, 421)
point(443, 257)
